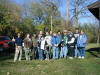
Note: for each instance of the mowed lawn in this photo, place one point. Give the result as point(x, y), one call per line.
point(89, 66)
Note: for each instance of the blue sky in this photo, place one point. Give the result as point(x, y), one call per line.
point(62, 9)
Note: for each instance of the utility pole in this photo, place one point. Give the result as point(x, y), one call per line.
point(51, 23)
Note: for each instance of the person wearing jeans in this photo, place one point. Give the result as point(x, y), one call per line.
point(76, 34)
point(81, 44)
point(18, 44)
point(64, 49)
point(44, 48)
point(76, 51)
point(40, 53)
point(55, 42)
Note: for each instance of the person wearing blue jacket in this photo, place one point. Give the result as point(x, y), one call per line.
point(81, 44)
point(55, 42)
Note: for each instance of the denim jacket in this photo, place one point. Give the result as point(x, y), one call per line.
point(55, 40)
point(81, 42)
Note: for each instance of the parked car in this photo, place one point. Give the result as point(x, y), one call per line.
point(6, 44)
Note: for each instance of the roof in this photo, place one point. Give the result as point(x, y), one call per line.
point(94, 9)
point(94, 5)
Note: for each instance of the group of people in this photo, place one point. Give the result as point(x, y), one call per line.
point(52, 45)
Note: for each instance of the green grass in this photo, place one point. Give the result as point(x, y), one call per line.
point(89, 66)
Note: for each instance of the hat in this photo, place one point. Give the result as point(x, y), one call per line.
point(70, 33)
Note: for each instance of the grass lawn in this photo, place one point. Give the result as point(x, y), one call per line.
point(89, 66)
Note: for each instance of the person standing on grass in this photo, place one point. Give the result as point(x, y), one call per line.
point(71, 45)
point(59, 35)
point(76, 34)
point(38, 45)
point(44, 48)
point(81, 44)
point(34, 42)
point(27, 46)
point(64, 49)
point(18, 44)
point(55, 42)
point(48, 39)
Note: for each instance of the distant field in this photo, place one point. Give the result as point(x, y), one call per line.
point(89, 66)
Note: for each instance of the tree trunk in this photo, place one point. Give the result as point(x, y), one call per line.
point(76, 15)
point(67, 12)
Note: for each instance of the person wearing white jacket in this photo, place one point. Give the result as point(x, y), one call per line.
point(48, 39)
point(44, 48)
point(71, 45)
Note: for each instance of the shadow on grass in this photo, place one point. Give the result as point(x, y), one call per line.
point(94, 51)
point(5, 56)
point(9, 55)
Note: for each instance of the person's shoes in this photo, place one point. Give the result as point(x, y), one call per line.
point(14, 61)
point(83, 57)
point(75, 56)
point(70, 57)
point(47, 59)
point(79, 57)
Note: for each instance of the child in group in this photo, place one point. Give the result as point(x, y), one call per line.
point(44, 48)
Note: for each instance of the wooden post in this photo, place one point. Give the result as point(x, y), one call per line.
point(99, 25)
point(99, 31)
point(51, 23)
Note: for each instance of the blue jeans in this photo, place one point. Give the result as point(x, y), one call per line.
point(47, 54)
point(82, 52)
point(40, 53)
point(76, 51)
point(55, 52)
point(63, 51)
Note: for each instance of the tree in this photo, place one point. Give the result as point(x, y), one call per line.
point(79, 9)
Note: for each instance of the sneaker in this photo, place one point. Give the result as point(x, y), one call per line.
point(75, 56)
point(83, 57)
point(79, 57)
point(70, 57)
point(47, 59)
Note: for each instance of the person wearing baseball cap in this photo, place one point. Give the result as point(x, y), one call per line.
point(64, 49)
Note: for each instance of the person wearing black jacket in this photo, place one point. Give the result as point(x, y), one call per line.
point(71, 45)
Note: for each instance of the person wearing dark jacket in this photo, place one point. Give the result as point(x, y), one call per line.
point(34, 45)
point(18, 44)
point(64, 49)
point(71, 45)
point(27, 46)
